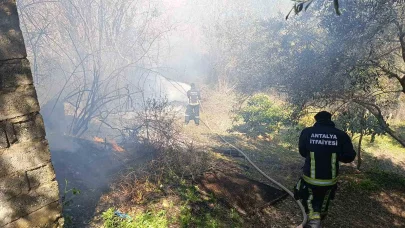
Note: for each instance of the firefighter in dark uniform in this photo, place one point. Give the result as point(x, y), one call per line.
point(323, 146)
point(193, 107)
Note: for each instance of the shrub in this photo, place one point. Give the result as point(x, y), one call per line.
point(261, 116)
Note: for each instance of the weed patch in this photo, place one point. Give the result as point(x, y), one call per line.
point(377, 180)
point(144, 220)
point(387, 180)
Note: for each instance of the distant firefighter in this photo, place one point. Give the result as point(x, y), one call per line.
point(193, 107)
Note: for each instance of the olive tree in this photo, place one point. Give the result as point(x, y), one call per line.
point(358, 122)
point(89, 54)
point(323, 61)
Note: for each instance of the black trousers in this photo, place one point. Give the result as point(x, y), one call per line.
point(193, 112)
point(315, 199)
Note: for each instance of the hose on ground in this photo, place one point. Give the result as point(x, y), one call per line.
point(304, 215)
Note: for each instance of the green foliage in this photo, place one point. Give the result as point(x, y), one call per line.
point(317, 67)
point(290, 136)
point(261, 116)
point(387, 180)
point(204, 212)
point(67, 199)
point(69, 194)
point(304, 4)
point(68, 220)
point(189, 193)
point(368, 185)
point(185, 216)
point(357, 120)
point(143, 220)
point(209, 218)
point(234, 215)
point(377, 180)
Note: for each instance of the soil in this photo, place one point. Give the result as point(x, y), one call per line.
point(89, 167)
point(239, 192)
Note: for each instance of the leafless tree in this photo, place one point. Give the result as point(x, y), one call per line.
point(87, 53)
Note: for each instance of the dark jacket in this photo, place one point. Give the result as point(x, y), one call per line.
point(194, 96)
point(323, 146)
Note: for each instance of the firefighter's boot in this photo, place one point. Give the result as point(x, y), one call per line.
point(313, 223)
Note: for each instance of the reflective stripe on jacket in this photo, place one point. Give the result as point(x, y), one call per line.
point(323, 146)
point(193, 97)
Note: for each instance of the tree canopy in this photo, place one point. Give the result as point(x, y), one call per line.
point(320, 60)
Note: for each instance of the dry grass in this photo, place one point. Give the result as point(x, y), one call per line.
point(360, 201)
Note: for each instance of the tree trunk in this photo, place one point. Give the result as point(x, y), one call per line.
point(359, 150)
point(376, 111)
point(402, 42)
point(372, 140)
point(395, 135)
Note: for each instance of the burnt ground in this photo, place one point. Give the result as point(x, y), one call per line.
point(208, 199)
point(257, 200)
point(240, 192)
point(88, 167)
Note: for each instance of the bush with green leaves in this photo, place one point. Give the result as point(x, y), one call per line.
point(261, 116)
point(360, 122)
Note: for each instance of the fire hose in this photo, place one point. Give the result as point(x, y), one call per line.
point(304, 215)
